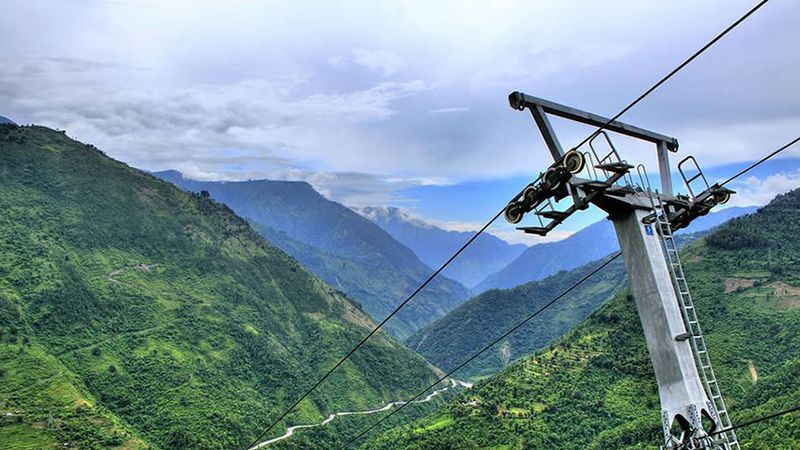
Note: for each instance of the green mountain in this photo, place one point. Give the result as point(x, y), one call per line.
point(451, 339)
point(136, 315)
point(586, 245)
point(335, 243)
point(455, 337)
point(485, 256)
point(595, 388)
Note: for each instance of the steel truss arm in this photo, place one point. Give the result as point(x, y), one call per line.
point(520, 101)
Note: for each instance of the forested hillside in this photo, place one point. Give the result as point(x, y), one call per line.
point(346, 250)
point(136, 315)
point(453, 338)
point(595, 388)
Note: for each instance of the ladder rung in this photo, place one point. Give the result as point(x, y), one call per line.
point(698, 175)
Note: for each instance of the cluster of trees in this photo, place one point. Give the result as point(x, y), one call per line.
point(199, 351)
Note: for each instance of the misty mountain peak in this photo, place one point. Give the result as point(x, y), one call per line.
point(391, 214)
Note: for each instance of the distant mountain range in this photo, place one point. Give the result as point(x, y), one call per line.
point(588, 244)
point(434, 245)
point(6, 120)
point(340, 246)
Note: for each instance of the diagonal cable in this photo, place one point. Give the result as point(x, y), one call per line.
point(758, 420)
point(375, 330)
point(485, 348)
point(755, 164)
point(479, 232)
point(674, 71)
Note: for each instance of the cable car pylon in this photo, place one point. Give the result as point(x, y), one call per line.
point(692, 407)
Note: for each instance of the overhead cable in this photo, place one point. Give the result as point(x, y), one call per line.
point(485, 348)
point(491, 221)
point(755, 164)
point(375, 329)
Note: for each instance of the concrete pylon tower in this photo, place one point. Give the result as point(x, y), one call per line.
point(683, 398)
point(691, 406)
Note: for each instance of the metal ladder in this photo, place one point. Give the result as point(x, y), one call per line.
point(702, 358)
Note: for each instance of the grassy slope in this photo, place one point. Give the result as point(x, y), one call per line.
point(377, 290)
point(343, 248)
point(199, 349)
point(595, 388)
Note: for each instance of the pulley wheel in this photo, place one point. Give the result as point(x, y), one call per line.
point(513, 213)
point(552, 179)
point(722, 198)
point(574, 161)
point(529, 194)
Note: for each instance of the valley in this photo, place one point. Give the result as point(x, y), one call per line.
point(347, 251)
point(350, 225)
point(105, 312)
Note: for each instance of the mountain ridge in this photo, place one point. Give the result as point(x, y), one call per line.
point(434, 245)
point(451, 339)
point(340, 246)
point(586, 245)
point(135, 314)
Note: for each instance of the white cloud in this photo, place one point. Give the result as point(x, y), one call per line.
point(757, 192)
point(383, 62)
point(258, 124)
point(259, 88)
point(455, 109)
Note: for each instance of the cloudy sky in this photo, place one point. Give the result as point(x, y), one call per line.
point(398, 103)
